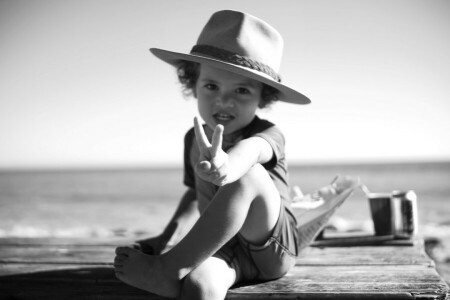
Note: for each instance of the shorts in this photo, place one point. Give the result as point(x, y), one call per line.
point(268, 261)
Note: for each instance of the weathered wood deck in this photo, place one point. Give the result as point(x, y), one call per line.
point(68, 269)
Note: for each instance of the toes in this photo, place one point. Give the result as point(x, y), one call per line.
point(118, 261)
point(124, 251)
point(119, 275)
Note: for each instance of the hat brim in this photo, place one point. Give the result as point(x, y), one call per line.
point(286, 94)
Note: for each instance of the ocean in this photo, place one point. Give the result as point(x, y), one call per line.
point(135, 202)
point(138, 203)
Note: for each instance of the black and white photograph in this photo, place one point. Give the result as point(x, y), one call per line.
point(249, 149)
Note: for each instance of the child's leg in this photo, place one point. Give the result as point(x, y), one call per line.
point(250, 206)
point(210, 280)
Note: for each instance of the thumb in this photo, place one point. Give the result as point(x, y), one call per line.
point(204, 166)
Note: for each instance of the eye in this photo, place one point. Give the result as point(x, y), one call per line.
point(242, 91)
point(211, 86)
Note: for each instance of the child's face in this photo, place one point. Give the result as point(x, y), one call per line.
point(226, 98)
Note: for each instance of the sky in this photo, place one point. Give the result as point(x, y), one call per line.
point(79, 88)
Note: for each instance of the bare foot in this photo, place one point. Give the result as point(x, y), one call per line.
point(145, 272)
point(151, 246)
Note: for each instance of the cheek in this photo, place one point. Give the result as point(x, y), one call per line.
point(247, 113)
point(250, 106)
point(203, 107)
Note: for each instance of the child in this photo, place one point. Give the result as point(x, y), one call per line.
point(234, 169)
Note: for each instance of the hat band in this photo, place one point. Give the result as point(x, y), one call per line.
point(235, 59)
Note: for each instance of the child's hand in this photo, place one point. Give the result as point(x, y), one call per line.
point(151, 246)
point(212, 164)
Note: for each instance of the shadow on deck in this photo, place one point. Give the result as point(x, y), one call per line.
point(80, 269)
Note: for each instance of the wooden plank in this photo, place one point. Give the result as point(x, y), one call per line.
point(104, 254)
point(64, 269)
point(361, 239)
point(305, 282)
point(76, 283)
point(329, 239)
point(64, 281)
point(83, 254)
point(386, 255)
point(341, 282)
point(31, 271)
point(64, 241)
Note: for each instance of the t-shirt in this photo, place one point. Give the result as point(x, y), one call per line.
point(276, 167)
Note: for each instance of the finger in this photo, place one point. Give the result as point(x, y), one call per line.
point(136, 246)
point(146, 248)
point(200, 136)
point(217, 139)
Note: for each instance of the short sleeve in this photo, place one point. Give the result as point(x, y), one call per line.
point(275, 138)
point(189, 176)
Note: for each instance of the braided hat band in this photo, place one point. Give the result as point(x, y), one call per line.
point(235, 59)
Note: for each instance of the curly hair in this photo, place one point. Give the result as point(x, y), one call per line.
point(188, 73)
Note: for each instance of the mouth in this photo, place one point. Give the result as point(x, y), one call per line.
point(223, 117)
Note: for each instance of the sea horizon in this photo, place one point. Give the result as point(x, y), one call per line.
point(179, 165)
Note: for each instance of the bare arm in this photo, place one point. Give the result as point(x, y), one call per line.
point(181, 222)
point(183, 219)
point(221, 168)
point(246, 154)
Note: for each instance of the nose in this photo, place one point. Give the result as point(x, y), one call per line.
point(225, 100)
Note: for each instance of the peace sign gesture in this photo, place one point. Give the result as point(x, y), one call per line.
point(212, 164)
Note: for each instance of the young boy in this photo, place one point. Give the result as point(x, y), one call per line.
point(235, 171)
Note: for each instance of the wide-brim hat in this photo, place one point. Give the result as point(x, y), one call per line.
point(242, 44)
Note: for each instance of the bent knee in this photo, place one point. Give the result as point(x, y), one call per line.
point(259, 179)
point(198, 286)
point(256, 174)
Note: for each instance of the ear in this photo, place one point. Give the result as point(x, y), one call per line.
point(262, 103)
